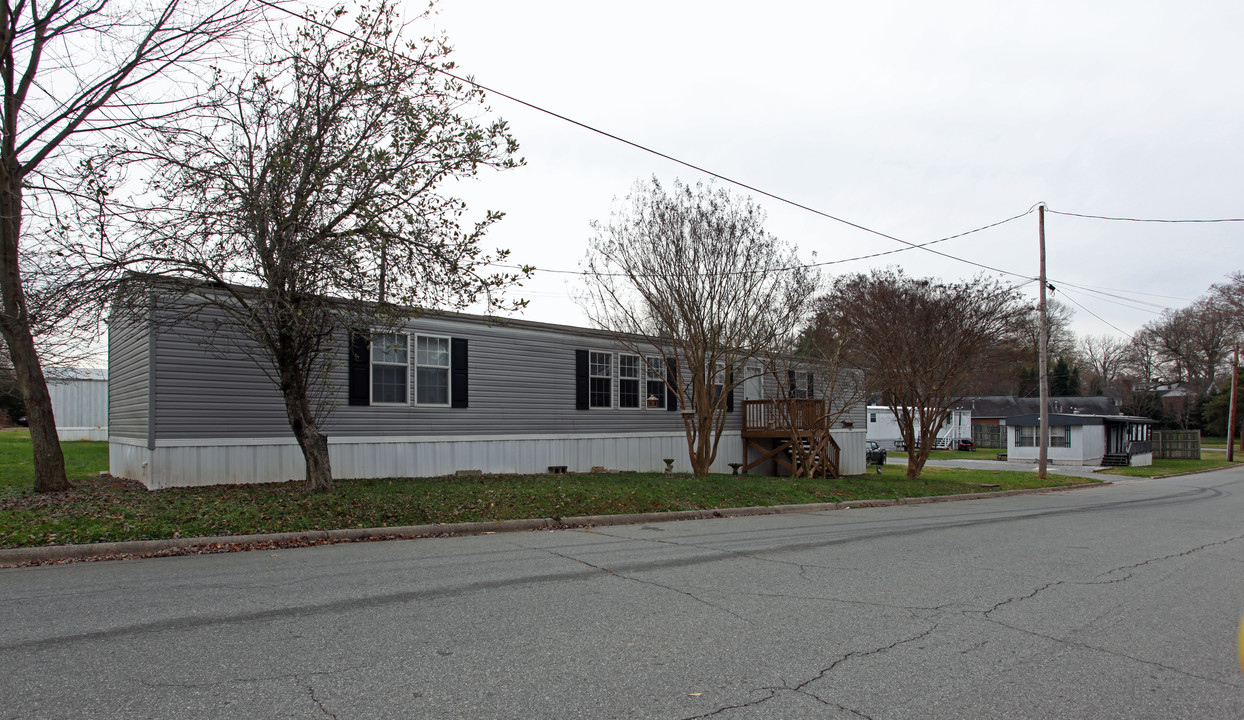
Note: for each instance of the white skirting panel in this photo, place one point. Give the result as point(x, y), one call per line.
point(222, 462)
point(241, 462)
point(129, 458)
point(94, 434)
point(853, 456)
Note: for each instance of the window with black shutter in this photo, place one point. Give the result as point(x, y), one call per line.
point(358, 369)
point(458, 371)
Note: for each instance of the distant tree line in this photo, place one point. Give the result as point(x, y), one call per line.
point(1172, 369)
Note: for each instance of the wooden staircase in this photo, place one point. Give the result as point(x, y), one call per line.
point(793, 433)
point(1116, 460)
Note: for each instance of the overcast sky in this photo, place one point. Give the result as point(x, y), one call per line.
point(918, 120)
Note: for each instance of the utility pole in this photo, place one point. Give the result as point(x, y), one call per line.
point(1235, 382)
point(1043, 365)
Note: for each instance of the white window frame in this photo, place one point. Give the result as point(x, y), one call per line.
point(641, 398)
point(800, 381)
point(447, 367)
point(654, 372)
point(755, 380)
point(592, 365)
point(371, 369)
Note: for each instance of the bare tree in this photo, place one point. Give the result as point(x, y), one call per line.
point(1194, 341)
point(921, 340)
point(72, 70)
point(301, 213)
point(1060, 343)
point(1230, 297)
point(692, 271)
point(1144, 362)
point(1105, 355)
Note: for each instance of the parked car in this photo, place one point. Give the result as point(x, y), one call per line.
point(875, 453)
point(23, 421)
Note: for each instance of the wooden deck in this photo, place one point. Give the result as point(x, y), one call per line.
point(794, 433)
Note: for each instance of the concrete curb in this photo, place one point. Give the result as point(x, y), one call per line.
point(1171, 475)
point(48, 553)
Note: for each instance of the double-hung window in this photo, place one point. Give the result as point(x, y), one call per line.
point(390, 369)
point(630, 370)
point(656, 383)
point(431, 370)
point(1028, 436)
point(600, 380)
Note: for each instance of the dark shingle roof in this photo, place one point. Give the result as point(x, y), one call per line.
point(1005, 406)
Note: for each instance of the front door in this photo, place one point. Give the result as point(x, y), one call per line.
point(1116, 438)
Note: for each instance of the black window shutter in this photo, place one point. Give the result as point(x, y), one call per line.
point(811, 392)
point(358, 369)
point(580, 380)
point(458, 372)
point(730, 394)
point(790, 377)
point(671, 380)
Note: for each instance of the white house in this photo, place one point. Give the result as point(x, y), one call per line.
point(1082, 439)
point(883, 427)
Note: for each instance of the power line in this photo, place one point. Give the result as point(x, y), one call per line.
point(1141, 220)
point(1097, 291)
point(638, 146)
point(724, 178)
point(789, 268)
point(1131, 292)
point(1099, 317)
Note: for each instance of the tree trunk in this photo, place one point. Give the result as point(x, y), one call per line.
point(314, 444)
point(691, 425)
point(319, 469)
point(49, 462)
point(916, 458)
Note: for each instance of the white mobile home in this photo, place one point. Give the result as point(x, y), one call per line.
point(883, 427)
point(79, 402)
point(448, 392)
point(1082, 439)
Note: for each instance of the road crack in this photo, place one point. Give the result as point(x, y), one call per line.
point(802, 688)
point(314, 699)
point(1108, 581)
point(1107, 651)
point(653, 583)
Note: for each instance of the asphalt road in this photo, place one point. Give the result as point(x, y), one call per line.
point(1113, 602)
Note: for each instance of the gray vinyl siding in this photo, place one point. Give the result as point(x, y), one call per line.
point(206, 387)
point(856, 414)
point(128, 377)
point(521, 381)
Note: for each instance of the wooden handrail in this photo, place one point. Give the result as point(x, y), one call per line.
point(796, 413)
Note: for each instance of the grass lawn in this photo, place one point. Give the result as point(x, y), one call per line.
point(1172, 467)
point(978, 454)
point(83, 460)
point(107, 509)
